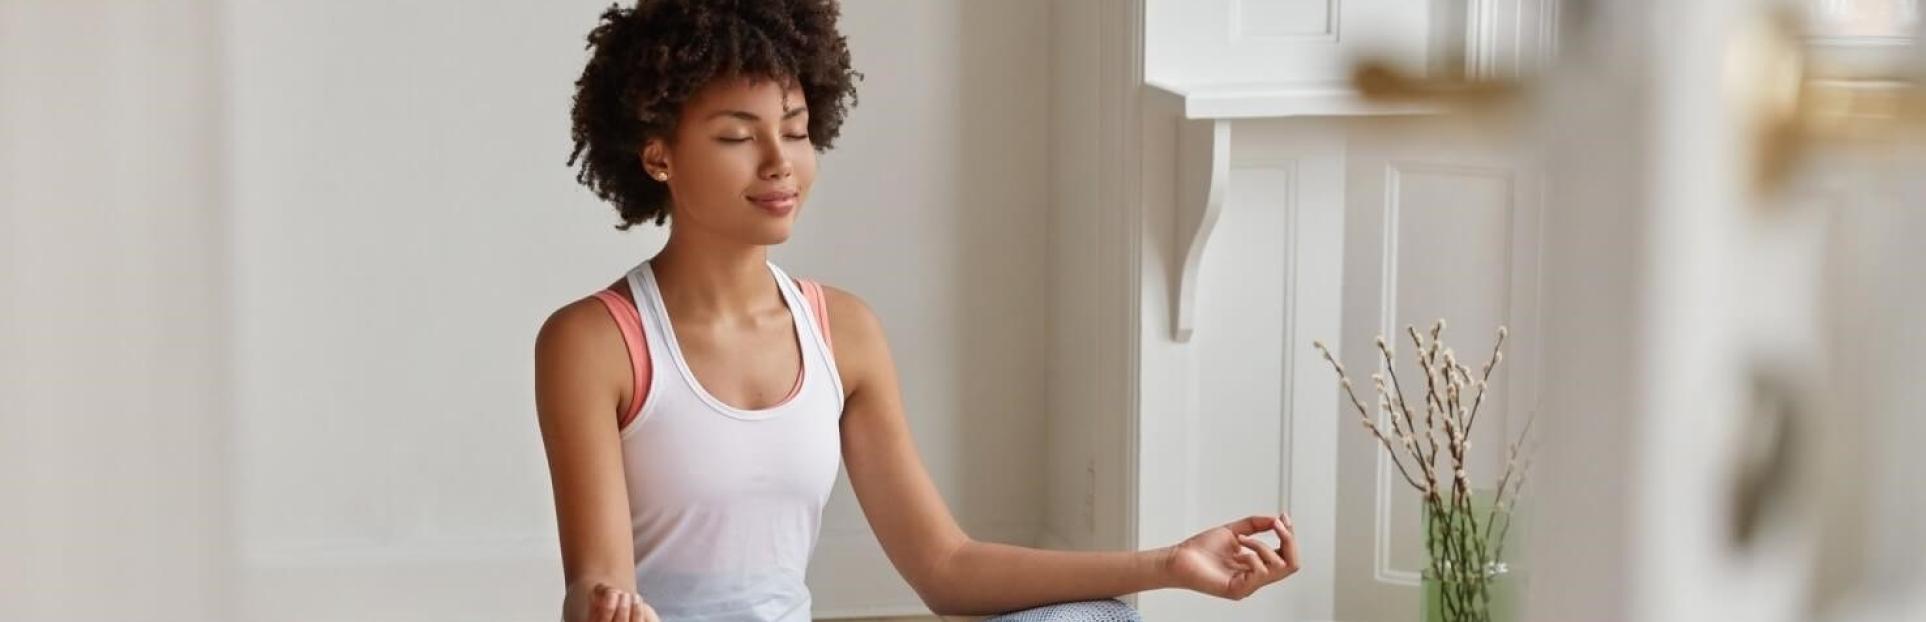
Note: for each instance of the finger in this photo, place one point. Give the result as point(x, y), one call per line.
point(647, 614)
point(635, 608)
point(622, 607)
point(1285, 532)
point(1284, 525)
point(1249, 559)
point(1251, 524)
point(1242, 583)
point(1287, 549)
point(598, 605)
point(1272, 563)
point(605, 602)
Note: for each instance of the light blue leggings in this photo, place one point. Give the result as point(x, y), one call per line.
point(1108, 610)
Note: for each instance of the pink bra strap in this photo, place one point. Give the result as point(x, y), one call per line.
point(813, 291)
point(630, 322)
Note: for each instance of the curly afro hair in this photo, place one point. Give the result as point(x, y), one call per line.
point(646, 61)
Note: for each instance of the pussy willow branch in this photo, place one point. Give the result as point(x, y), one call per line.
point(1524, 473)
point(1431, 402)
point(1404, 434)
point(1496, 358)
point(1365, 416)
point(1463, 551)
point(1511, 464)
point(1391, 368)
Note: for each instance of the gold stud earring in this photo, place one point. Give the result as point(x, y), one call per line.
point(661, 176)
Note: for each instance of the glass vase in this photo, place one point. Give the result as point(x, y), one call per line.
point(1465, 594)
point(1478, 597)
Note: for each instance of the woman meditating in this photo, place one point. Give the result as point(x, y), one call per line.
point(695, 412)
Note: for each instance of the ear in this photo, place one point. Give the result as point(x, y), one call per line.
point(655, 158)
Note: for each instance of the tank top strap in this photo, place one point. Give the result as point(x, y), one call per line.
point(656, 345)
point(812, 328)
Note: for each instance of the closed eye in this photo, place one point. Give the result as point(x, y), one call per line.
point(737, 141)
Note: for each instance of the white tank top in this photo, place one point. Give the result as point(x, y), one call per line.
point(726, 504)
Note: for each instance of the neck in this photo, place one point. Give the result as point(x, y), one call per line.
point(714, 278)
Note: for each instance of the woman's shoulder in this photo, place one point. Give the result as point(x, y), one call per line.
point(854, 324)
point(843, 307)
point(582, 332)
point(587, 314)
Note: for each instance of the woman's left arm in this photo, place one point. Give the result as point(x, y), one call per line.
point(956, 575)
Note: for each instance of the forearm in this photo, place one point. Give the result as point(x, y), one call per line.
point(988, 578)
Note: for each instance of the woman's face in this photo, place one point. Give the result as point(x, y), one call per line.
point(741, 163)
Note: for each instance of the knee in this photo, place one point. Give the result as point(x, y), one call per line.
point(1107, 610)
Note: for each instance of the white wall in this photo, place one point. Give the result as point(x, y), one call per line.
point(400, 218)
point(375, 195)
point(935, 208)
point(112, 348)
point(1091, 396)
point(403, 222)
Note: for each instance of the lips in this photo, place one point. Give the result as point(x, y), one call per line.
point(777, 202)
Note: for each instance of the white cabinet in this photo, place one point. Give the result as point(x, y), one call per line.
point(1290, 43)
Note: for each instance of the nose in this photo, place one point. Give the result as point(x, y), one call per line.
point(775, 163)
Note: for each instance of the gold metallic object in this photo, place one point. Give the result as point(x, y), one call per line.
point(1786, 112)
point(1792, 113)
point(1380, 81)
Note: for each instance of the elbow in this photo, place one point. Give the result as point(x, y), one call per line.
point(943, 610)
point(935, 585)
point(944, 603)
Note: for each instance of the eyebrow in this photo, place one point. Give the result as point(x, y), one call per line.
point(750, 116)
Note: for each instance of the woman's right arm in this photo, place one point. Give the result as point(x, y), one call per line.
point(581, 376)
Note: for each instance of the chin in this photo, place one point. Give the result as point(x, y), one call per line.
point(770, 236)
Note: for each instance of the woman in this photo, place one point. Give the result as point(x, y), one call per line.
point(694, 413)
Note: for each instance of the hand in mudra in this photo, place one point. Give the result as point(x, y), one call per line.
point(1228, 562)
point(594, 601)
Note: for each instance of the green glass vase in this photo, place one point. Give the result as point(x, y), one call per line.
point(1493, 601)
point(1484, 595)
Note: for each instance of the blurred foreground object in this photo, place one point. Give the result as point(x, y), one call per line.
point(1733, 282)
